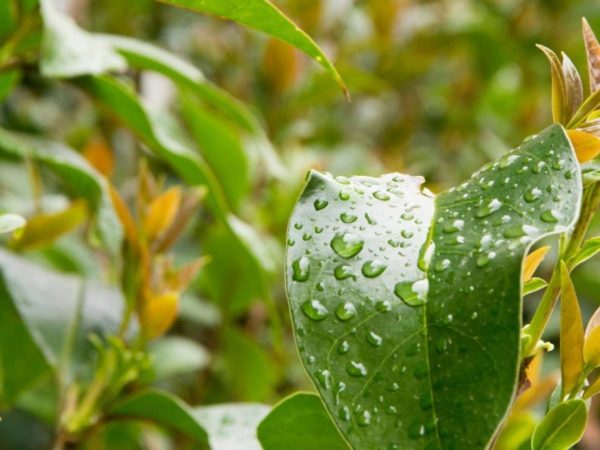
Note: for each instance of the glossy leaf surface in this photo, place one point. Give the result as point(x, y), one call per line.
point(391, 289)
point(562, 427)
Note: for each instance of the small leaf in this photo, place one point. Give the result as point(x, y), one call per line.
point(300, 422)
point(586, 145)
point(589, 248)
point(163, 409)
point(593, 322)
point(162, 212)
point(264, 16)
point(591, 349)
point(562, 427)
point(125, 216)
point(592, 389)
point(592, 50)
point(43, 229)
point(573, 86)
point(571, 334)
point(532, 262)
point(99, 155)
point(559, 90)
point(158, 314)
point(9, 223)
point(534, 285)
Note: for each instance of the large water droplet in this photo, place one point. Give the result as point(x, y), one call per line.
point(348, 218)
point(383, 306)
point(344, 195)
point(442, 265)
point(346, 244)
point(372, 269)
point(301, 269)
point(343, 272)
point(345, 311)
point(381, 195)
point(343, 347)
point(514, 231)
point(356, 369)
point(320, 203)
point(374, 339)
point(488, 209)
point(453, 227)
point(364, 418)
point(549, 216)
point(324, 378)
point(314, 310)
point(407, 234)
point(532, 195)
point(412, 294)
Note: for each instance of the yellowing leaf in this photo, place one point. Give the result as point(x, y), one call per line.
point(99, 155)
point(280, 64)
point(591, 349)
point(592, 389)
point(125, 216)
point(559, 90)
point(162, 212)
point(43, 229)
point(158, 314)
point(540, 388)
point(586, 145)
point(571, 333)
point(533, 261)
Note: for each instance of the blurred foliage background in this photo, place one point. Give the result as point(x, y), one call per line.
point(438, 88)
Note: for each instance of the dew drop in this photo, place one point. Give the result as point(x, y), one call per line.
point(442, 265)
point(324, 378)
point(314, 310)
point(532, 195)
point(364, 418)
point(383, 306)
point(372, 269)
point(407, 234)
point(374, 339)
point(549, 216)
point(344, 195)
point(413, 294)
point(320, 203)
point(356, 369)
point(370, 219)
point(345, 311)
point(381, 195)
point(346, 245)
point(488, 209)
point(348, 218)
point(343, 272)
point(301, 269)
point(514, 231)
point(343, 347)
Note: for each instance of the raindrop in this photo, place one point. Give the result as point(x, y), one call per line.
point(407, 234)
point(488, 209)
point(482, 260)
point(343, 272)
point(374, 339)
point(314, 310)
point(320, 203)
point(348, 218)
point(549, 216)
point(345, 311)
point(346, 244)
point(301, 269)
point(383, 306)
point(380, 195)
point(306, 237)
point(344, 195)
point(372, 269)
point(455, 226)
point(343, 347)
point(442, 265)
point(413, 294)
point(370, 219)
point(356, 369)
point(324, 378)
point(532, 195)
point(344, 413)
point(364, 418)
point(514, 231)
point(407, 216)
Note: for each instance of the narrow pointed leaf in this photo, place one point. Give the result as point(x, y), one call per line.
point(394, 287)
point(559, 89)
point(534, 285)
point(571, 333)
point(532, 262)
point(562, 427)
point(592, 50)
point(588, 250)
point(573, 86)
point(300, 422)
point(587, 146)
point(263, 16)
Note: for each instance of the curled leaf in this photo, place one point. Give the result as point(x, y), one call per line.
point(533, 261)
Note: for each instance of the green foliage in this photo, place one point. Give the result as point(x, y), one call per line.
point(562, 427)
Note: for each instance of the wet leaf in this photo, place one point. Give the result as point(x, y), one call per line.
point(263, 16)
point(533, 261)
point(163, 409)
point(562, 427)
point(385, 307)
point(587, 146)
point(300, 422)
point(571, 334)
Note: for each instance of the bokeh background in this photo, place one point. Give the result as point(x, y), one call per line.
point(438, 88)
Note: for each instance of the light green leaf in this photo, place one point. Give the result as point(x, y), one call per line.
point(534, 285)
point(10, 223)
point(174, 355)
point(162, 408)
point(263, 16)
point(562, 427)
point(69, 51)
point(300, 422)
point(232, 426)
point(75, 171)
point(390, 288)
point(8, 80)
point(588, 250)
point(39, 310)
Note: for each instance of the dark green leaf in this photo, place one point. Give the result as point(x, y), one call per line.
point(562, 427)
point(390, 289)
point(263, 16)
point(163, 409)
point(232, 426)
point(8, 80)
point(76, 172)
point(300, 422)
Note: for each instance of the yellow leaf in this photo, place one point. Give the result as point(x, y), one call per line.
point(280, 64)
point(586, 145)
point(125, 216)
point(99, 155)
point(591, 349)
point(571, 333)
point(592, 389)
point(162, 212)
point(533, 261)
point(158, 314)
point(43, 229)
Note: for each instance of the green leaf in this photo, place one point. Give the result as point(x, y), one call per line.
point(390, 289)
point(562, 427)
point(232, 426)
point(588, 250)
point(174, 355)
point(69, 51)
point(560, 106)
point(263, 16)
point(8, 80)
point(300, 422)
point(163, 409)
point(50, 315)
point(534, 285)
point(75, 171)
point(10, 223)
